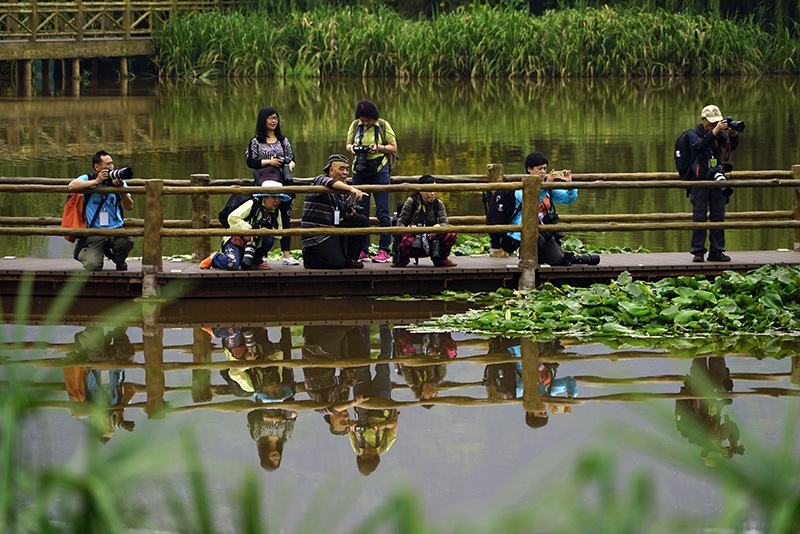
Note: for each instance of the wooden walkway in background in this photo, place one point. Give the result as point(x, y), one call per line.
point(479, 273)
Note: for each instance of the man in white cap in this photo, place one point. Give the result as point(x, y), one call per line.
point(249, 252)
point(711, 143)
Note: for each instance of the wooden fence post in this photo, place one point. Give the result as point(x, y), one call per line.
point(34, 22)
point(529, 243)
point(796, 206)
point(201, 378)
point(201, 209)
point(153, 342)
point(494, 172)
point(531, 397)
point(152, 262)
point(80, 20)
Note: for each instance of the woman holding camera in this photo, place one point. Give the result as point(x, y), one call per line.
point(271, 157)
point(550, 251)
point(371, 140)
point(424, 209)
point(250, 252)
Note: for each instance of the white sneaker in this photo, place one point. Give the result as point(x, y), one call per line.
point(290, 261)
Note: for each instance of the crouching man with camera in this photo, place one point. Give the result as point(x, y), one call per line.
point(711, 141)
point(424, 209)
point(103, 210)
point(249, 252)
point(334, 209)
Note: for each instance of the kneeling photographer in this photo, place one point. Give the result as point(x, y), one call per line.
point(711, 143)
point(550, 251)
point(334, 209)
point(424, 209)
point(103, 210)
point(249, 252)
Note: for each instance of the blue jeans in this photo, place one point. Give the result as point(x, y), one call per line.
point(381, 204)
point(231, 257)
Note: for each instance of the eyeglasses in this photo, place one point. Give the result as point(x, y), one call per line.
point(273, 118)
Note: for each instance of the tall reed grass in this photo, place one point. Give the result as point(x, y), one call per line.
point(477, 43)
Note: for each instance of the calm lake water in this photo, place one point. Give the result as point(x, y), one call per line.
point(470, 452)
point(466, 451)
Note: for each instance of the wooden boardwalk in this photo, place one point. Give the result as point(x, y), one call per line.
point(473, 273)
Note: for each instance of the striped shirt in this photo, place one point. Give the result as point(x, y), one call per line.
point(319, 209)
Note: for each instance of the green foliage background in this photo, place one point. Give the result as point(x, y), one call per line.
point(473, 43)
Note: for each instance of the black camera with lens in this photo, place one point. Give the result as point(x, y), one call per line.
point(286, 170)
point(734, 125)
point(360, 166)
point(717, 173)
point(125, 173)
point(435, 249)
point(248, 259)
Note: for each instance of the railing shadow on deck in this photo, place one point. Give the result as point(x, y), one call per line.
point(202, 226)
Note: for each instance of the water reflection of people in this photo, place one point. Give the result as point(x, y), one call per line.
point(85, 384)
point(327, 343)
point(504, 380)
point(700, 420)
point(270, 428)
point(424, 380)
point(374, 431)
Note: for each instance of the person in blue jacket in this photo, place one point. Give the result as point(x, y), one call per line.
point(550, 251)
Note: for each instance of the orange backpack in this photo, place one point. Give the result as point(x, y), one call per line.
point(74, 215)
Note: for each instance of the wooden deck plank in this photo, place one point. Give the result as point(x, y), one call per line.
point(477, 273)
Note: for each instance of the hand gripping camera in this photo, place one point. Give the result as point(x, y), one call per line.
point(125, 173)
point(717, 173)
point(286, 170)
point(360, 165)
point(734, 125)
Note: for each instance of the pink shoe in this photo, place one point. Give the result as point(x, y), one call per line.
point(363, 256)
point(382, 257)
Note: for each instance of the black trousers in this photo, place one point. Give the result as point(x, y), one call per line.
point(550, 251)
point(708, 204)
point(334, 251)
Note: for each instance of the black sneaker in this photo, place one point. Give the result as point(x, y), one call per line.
point(122, 266)
point(718, 256)
point(698, 258)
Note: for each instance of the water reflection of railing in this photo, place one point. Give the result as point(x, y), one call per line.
point(202, 230)
point(360, 380)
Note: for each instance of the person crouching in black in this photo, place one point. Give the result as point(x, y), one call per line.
point(335, 209)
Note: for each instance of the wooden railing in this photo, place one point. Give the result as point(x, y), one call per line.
point(37, 20)
point(155, 227)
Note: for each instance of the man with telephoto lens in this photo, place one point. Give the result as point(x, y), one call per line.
point(711, 143)
point(103, 210)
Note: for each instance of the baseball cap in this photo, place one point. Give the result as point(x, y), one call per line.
point(712, 114)
point(334, 158)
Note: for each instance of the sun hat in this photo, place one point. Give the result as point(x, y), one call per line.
point(333, 158)
point(273, 183)
point(712, 114)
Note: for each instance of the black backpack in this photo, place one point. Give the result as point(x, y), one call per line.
point(500, 206)
point(234, 202)
point(683, 155)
